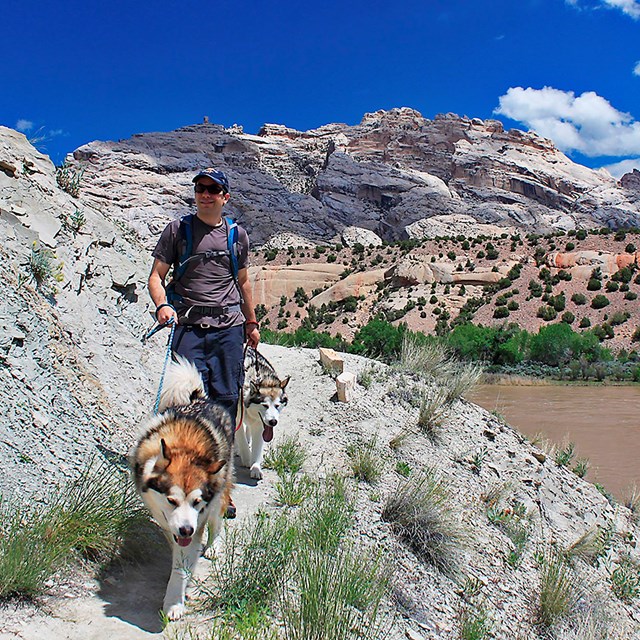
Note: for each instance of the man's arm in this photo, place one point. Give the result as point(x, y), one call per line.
point(251, 324)
point(157, 291)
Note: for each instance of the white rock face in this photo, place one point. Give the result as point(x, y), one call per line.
point(388, 174)
point(353, 235)
point(454, 225)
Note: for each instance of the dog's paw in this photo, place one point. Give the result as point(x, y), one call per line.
point(175, 611)
point(256, 472)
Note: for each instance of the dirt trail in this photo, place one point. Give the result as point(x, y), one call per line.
point(123, 604)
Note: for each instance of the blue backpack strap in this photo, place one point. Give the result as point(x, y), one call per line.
point(185, 233)
point(185, 241)
point(232, 244)
point(233, 247)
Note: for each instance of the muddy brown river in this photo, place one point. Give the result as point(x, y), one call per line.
point(603, 422)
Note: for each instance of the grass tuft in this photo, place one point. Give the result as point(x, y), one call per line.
point(91, 517)
point(559, 593)
point(474, 624)
point(564, 456)
point(292, 489)
point(593, 544)
point(364, 460)
point(422, 515)
point(433, 412)
point(251, 566)
point(338, 596)
point(287, 456)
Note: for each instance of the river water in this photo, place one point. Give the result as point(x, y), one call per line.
point(603, 422)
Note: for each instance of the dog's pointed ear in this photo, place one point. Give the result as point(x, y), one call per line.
point(214, 467)
point(164, 458)
point(284, 383)
point(255, 387)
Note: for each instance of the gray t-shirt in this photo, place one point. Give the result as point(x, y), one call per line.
point(207, 282)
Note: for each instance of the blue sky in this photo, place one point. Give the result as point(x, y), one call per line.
point(76, 71)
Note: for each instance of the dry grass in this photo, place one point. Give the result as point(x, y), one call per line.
point(560, 592)
point(423, 515)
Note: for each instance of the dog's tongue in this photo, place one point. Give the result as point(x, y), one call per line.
point(183, 542)
point(267, 434)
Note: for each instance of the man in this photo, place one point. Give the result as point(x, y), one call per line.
point(212, 307)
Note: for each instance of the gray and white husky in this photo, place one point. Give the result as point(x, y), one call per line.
point(264, 398)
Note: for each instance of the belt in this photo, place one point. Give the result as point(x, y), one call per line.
point(212, 312)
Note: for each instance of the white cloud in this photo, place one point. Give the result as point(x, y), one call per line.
point(587, 123)
point(628, 7)
point(24, 125)
point(636, 69)
point(54, 133)
point(618, 169)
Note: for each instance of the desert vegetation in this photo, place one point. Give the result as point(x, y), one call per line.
point(526, 296)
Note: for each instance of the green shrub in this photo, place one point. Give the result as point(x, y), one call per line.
point(594, 284)
point(501, 312)
point(579, 298)
point(69, 179)
point(547, 313)
point(625, 579)
point(599, 301)
point(611, 286)
point(45, 269)
point(568, 317)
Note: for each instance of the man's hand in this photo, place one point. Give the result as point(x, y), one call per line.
point(252, 334)
point(164, 313)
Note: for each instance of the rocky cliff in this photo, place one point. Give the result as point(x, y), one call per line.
point(391, 174)
point(75, 380)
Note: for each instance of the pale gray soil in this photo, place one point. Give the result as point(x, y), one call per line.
point(124, 603)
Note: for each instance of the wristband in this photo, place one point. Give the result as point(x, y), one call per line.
point(164, 304)
point(252, 322)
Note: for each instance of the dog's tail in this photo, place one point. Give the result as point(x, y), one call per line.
point(182, 386)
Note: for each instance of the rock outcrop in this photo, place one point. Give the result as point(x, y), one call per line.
point(389, 174)
point(582, 263)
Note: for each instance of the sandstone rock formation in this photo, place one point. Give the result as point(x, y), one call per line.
point(581, 263)
point(270, 283)
point(388, 174)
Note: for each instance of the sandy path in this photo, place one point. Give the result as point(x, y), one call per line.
point(123, 603)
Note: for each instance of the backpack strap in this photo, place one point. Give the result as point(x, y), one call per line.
point(185, 233)
point(185, 240)
point(233, 246)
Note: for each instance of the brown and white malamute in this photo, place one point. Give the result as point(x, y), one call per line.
point(183, 469)
point(264, 398)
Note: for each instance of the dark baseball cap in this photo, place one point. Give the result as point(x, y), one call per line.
point(216, 176)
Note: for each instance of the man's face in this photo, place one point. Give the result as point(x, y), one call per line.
point(212, 197)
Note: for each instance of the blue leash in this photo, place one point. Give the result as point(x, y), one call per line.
point(172, 324)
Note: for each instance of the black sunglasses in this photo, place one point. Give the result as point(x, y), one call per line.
point(212, 188)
